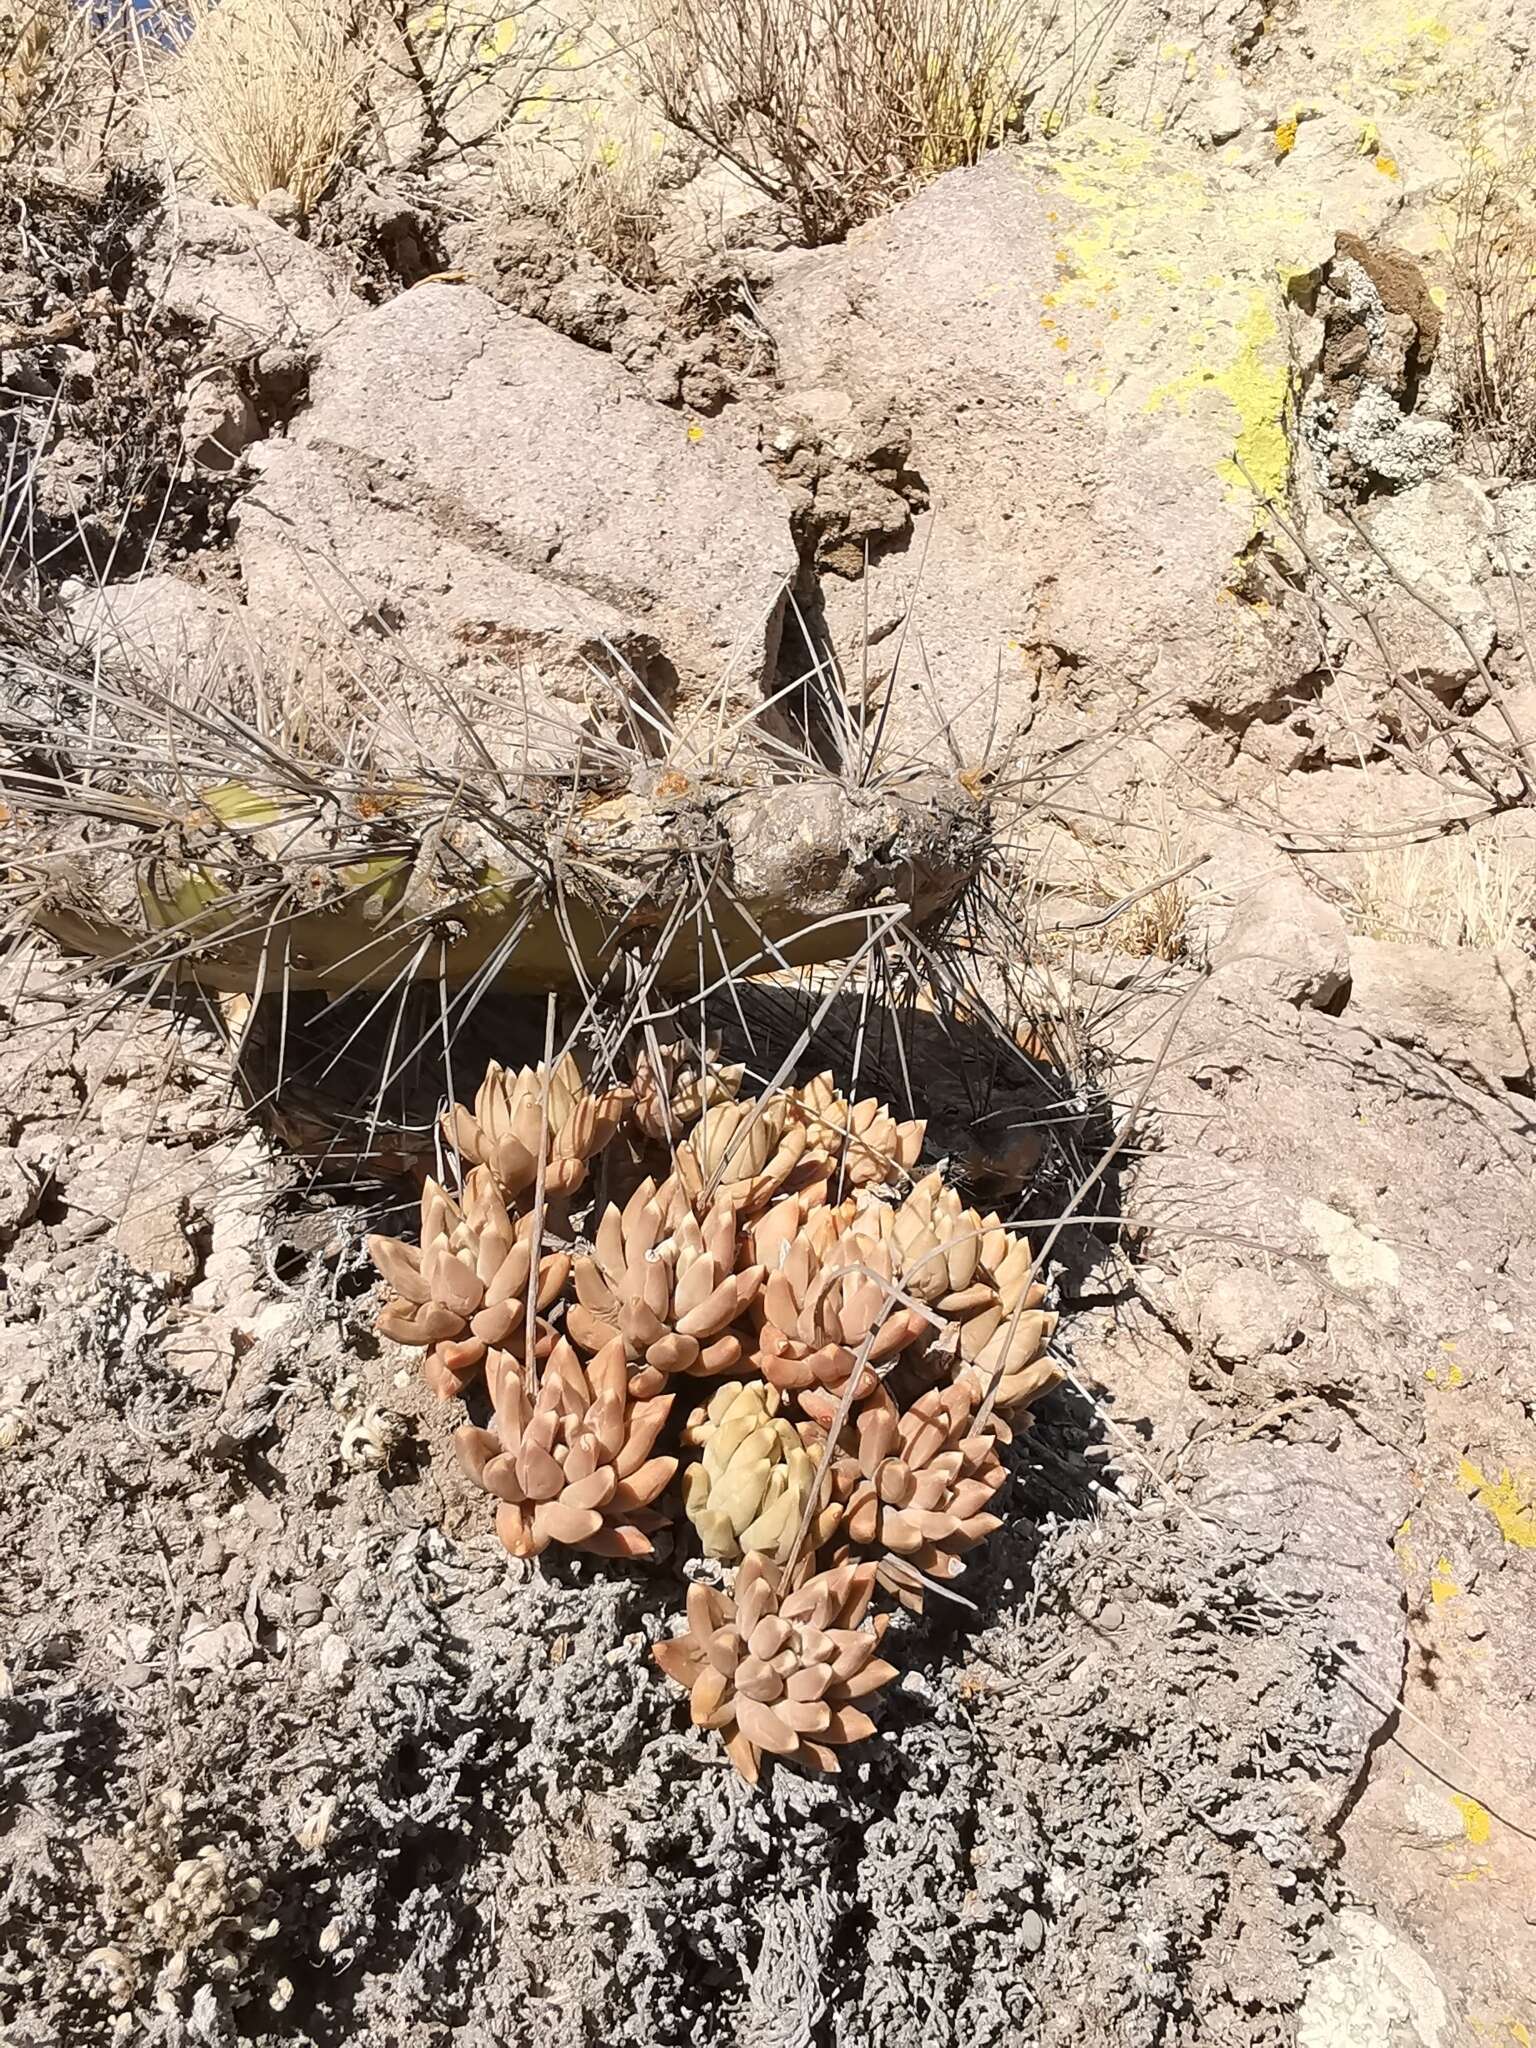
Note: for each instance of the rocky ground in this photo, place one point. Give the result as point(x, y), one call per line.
point(1128, 467)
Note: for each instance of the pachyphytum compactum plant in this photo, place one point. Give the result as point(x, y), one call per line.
point(749, 1314)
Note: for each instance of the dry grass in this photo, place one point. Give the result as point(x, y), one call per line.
point(268, 94)
point(1154, 923)
point(1490, 330)
point(1447, 892)
point(1129, 896)
point(832, 108)
point(29, 38)
point(61, 72)
point(262, 95)
point(603, 190)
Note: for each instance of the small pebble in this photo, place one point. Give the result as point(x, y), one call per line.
point(1031, 1931)
point(308, 1603)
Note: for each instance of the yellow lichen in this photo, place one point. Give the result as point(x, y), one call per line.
point(1285, 135)
point(1425, 28)
point(1406, 50)
point(1442, 1585)
point(1256, 382)
point(1474, 1819)
point(1448, 1375)
point(1174, 271)
point(1511, 1500)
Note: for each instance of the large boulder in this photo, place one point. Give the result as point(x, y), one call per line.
point(1419, 597)
point(1088, 344)
point(495, 496)
point(256, 285)
point(1287, 943)
point(1474, 1011)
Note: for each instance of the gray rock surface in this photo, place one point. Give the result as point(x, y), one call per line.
point(219, 422)
point(258, 286)
point(1288, 942)
point(1473, 1010)
point(1247, 1314)
point(1437, 538)
point(172, 626)
point(483, 488)
point(1068, 409)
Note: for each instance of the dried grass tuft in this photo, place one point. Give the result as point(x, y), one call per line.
point(834, 108)
point(267, 95)
point(1141, 875)
point(603, 191)
point(29, 39)
point(61, 69)
point(1447, 892)
point(1490, 323)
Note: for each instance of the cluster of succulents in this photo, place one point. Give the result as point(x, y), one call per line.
point(750, 1316)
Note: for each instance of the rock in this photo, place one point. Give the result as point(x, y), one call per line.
point(1437, 539)
point(1400, 448)
point(18, 1195)
point(71, 483)
point(1380, 330)
point(1224, 113)
point(1374, 1991)
point(1329, 1516)
point(1474, 1011)
point(307, 1603)
point(219, 422)
point(1357, 1259)
point(214, 1646)
point(246, 276)
point(172, 626)
point(77, 374)
point(487, 489)
point(390, 225)
point(1074, 402)
point(1514, 522)
point(1246, 1315)
point(1288, 943)
point(152, 1237)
